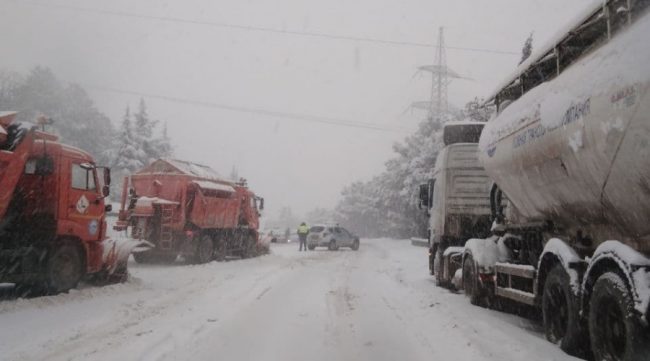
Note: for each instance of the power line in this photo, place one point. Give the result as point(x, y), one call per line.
point(260, 28)
point(243, 109)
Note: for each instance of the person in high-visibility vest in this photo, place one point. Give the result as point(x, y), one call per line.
point(303, 231)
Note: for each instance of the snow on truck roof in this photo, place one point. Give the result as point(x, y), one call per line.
point(214, 186)
point(175, 166)
point(548, 46)
point(196, 169)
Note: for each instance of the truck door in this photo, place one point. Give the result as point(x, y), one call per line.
point(85, 206)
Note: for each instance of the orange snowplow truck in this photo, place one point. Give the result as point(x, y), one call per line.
point(183, 208)
point(52, 213)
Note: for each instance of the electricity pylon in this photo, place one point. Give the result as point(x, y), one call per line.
point(441, 77)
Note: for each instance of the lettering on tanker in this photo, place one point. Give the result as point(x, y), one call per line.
point(575, 112)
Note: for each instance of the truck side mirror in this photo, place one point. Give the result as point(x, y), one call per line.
point(106, 190)
point(107, 176)
point(424, 195)
point(261, 204)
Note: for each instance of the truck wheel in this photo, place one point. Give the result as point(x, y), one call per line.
point(332, 246)
point(204, 250)
point(219, 249)
point(355, 245)
point(616, 333)
point(311, 248)
point(559, 311)
point(64, 269)
point(249, 248)
point(470, 280)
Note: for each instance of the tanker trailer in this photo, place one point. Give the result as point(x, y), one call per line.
point(569, 148)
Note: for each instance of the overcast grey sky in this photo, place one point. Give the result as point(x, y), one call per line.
point(290, 162)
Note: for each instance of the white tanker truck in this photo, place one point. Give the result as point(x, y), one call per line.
point(569, 148)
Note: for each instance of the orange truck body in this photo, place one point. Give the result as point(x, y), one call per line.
point(50, 197)
point(175, 205)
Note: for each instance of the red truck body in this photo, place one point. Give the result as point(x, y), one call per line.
point(186, 208)
point(52, 213)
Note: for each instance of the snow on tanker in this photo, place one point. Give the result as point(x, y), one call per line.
point(184, 208)
point(52, 213)
point(569, 154)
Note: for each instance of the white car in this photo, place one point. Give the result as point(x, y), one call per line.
point(331, 237)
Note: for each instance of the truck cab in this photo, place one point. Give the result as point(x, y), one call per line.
point(456, 199)
point(52, 212)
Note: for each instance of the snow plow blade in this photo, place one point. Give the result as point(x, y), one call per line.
point(116, 255)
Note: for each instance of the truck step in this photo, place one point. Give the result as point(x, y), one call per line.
point(519, 270)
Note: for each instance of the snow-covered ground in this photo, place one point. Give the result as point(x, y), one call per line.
point(374, 304)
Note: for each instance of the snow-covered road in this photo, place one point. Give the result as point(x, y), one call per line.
point(374, 304)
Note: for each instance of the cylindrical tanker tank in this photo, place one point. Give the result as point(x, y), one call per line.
point(575, 150)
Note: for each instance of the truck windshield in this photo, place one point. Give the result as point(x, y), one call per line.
point(462, 133)
point(82, 178)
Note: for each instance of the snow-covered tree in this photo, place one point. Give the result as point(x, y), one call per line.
point(126, 153)
point(144, 132)
point(319, 215)
point(476, 111)
point(75, 118)
point(387, 205)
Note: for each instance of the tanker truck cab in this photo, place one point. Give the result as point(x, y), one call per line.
point(456, 199)
point(569, 149)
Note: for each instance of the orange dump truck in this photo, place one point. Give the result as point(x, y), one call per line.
point(52, 213)
point(183, 208)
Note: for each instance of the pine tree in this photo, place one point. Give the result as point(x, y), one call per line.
point(130, 154)
point(161, 147)
point(144, 131)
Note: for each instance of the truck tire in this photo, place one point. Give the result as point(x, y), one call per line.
point(471, 285)
point(616, 333)
point(219, 249)
point(332, 246)
point(355, 245)
point(560, 312)
point(311, 248)
point(64, 269)
point(204, 250)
